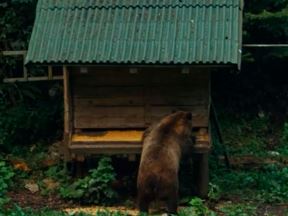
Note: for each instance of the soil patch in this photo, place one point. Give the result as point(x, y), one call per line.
point(25, 198)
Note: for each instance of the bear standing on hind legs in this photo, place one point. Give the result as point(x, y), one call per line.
point(163, 145)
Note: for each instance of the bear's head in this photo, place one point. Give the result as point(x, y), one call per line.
point(183, 127)
point(182, 123)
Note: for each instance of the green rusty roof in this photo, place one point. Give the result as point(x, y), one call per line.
point(137, 32)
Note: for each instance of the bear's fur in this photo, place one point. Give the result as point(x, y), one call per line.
point(163, 145)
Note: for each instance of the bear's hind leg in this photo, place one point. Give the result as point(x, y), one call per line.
point(172, 205)
point(143, 203)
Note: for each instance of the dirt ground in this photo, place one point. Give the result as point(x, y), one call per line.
point(25, 198)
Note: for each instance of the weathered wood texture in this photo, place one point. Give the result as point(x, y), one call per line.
point(67, 113)
point(115, 98)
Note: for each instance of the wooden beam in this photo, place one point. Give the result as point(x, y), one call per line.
point(67, 114)
point(266, 45)
point(30, 79)
point(12, 80)
point(14, 52)
point(25, 77)
point(66, 87)
point(25, 71)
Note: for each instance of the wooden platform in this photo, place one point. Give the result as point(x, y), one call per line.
point(107, 142)
point(120, 142)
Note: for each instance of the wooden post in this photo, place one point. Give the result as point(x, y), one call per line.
point(201, 174)
point(50, 72)
point(67, 114)
point(25, 72)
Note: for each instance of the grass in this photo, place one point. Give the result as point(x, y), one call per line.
point(246, 135)
point(231, 209)
point(250, 136)
point(267, 185)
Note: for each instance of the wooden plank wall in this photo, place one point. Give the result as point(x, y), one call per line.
point(115, 98)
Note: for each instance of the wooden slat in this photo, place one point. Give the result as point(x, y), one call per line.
point(99, 77)
point(124, 95)
point(179, 95)
point(119, 148)
point(172, 77)
point(121, 76)
point(115, 98)
point(200, 114)
point(113, 80)
point(109, 117)
point(132, 117)
point(116, 101)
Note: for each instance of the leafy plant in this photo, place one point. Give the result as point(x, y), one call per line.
point(6, 174)
point(52, 179)
point(94, 188)
point(196, 207)
point(214, 192)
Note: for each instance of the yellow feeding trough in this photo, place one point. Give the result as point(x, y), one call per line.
point(107, 142)
point(109, 136)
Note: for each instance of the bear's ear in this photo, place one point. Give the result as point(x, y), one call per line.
point(175, 110)
point(189, 116)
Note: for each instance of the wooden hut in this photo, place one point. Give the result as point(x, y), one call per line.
point(128, 63)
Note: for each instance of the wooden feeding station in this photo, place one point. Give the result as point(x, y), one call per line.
point(128, 63)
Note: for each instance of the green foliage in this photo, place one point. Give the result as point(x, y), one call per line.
point(94, 188)
point(266, 21)
point(6, 174)
point(196, 207)
point(268, 184)
point(285, 134)
point(273, 184)
point(239, 210)
point(214, 192)
point(18, 211)
point(52, 180)
point(248, 134)
point(26, 111)
point(283, 147)
point(16, 22)
point(108, 213)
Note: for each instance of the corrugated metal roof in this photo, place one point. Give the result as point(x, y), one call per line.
point(137, 32)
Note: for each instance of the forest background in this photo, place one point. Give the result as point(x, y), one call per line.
point(254, 100)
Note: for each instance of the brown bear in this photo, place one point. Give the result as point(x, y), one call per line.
point(163, 145)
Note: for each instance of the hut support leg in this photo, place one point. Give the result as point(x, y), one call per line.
point(201, 174)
